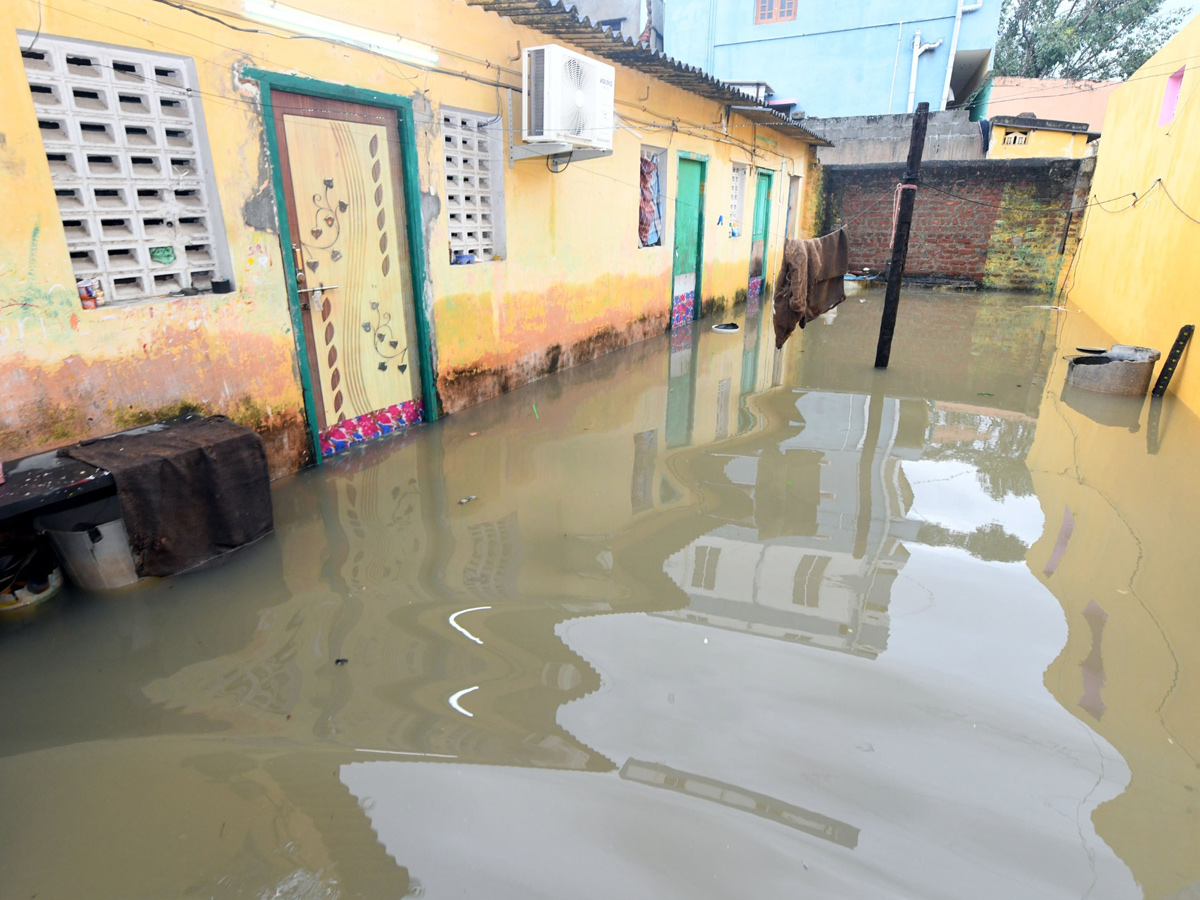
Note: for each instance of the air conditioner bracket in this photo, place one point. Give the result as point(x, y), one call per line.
point(560, 151)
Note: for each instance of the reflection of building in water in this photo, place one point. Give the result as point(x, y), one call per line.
point(491, 571)
point(815, 557)
point(788, 814)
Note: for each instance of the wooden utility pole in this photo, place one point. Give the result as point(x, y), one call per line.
point(908, 197)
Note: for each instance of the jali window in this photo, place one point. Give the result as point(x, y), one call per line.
point(124, 135)
point(737, 200)
point(474, 185)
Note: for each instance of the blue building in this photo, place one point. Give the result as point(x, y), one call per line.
point(840, 57)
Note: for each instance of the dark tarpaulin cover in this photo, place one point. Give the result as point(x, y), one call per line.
point(190, 491)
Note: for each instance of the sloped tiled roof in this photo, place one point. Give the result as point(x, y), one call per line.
point(562, 20)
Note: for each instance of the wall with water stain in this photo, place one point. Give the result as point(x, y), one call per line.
point(1137, 265)
point(573, 283)
point(70, 373)
point(1114, 555)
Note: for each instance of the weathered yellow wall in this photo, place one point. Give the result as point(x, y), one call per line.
point(573, 284)
point(1039, 142)
point(1128, 557)
point(1137, 266)
point(70, 373)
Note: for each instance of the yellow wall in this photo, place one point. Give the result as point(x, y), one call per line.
point(1128, 557)
point(1137, 267)
point(1038, 142)
point(573, 284)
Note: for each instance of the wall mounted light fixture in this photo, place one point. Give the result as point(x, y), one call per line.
point(271, 12)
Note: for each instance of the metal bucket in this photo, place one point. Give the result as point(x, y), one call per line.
point(92, 544)
point(1123, 369)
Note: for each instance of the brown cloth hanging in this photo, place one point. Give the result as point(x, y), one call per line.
point(810, 281)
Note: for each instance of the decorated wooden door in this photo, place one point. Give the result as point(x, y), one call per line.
point(341, 167)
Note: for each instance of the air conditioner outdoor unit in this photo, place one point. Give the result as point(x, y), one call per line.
point(568, 98)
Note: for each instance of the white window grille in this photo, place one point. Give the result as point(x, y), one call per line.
point(1015, 137)
point(737, 200)
point(474, 163)
point(124, 136)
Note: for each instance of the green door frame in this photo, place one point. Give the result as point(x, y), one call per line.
point(269, 81)
point(703, 161)
point(768, 176)
point(762, 203)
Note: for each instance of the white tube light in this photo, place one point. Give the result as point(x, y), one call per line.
point(270, 12)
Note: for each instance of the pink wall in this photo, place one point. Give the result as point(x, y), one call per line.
point(1052, 98)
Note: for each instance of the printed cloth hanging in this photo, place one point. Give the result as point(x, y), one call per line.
point(650, 208)
point(810, 281)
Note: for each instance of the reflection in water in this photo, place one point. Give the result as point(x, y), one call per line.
point(807, 539)
point(809, 822)
point(1093, 666)
point(562, 688)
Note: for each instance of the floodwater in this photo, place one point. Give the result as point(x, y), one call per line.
point(716, 624)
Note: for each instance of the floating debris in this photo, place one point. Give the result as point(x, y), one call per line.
point(465, 500)
point(727, 327)
point(340, 661)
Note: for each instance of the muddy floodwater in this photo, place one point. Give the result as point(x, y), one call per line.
point(712, 622)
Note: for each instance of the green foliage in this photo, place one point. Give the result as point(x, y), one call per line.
point(1085, 39)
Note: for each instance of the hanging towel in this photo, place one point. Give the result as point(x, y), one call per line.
point(810, 281)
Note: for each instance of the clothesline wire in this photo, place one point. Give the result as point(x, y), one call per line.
point(674, 125)
point(198, 12)
point(1094, 201)
point(1182, 211)
point(1004, 206)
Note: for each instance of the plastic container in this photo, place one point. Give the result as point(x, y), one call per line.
point(92, 544)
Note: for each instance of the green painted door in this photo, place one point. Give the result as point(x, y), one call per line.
point(689, 208)
point(758, 237)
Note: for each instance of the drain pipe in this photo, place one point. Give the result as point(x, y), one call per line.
point(712, 36)
point(895, 65)
point(918, 49)
point(962, 8)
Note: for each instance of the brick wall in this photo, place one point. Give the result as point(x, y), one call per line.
point(992, 223)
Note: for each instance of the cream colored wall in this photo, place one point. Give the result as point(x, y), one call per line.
point(1137, 266)
point(573, 282)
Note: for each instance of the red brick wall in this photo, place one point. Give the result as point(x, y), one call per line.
point(1001, 228)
